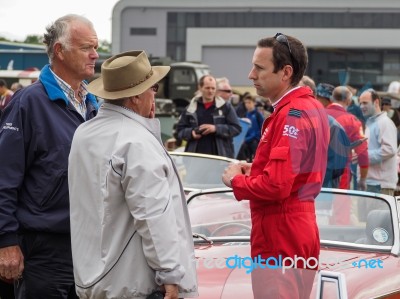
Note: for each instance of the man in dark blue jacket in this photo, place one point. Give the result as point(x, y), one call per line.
point(209, 123)
point(36, 131)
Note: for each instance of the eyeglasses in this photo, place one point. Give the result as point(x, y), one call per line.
point(225, 90)
point(155, 87)
point(282, 39)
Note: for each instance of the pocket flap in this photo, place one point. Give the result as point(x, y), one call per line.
point(279, 153)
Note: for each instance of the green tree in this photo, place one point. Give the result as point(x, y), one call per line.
point(104, 46)
point(34, 39)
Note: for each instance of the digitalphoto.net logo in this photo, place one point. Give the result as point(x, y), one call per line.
point(284, 263)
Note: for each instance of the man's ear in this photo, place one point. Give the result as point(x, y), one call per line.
point(134, 99)
point(58, 50)
point(287, 72)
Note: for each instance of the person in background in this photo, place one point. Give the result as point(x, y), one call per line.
point(341, 96)
point(394, 87)
point(393, 114)
point(224, 89)
point(37, 130)
point(382, 145)
point(353, 106)
point(16, 86)
point(287, 171)
point(338, 154)
point(264, 106)
point(253, 134)
point(339, 143)
point(323, 93)
point(136, 189)
point(209, 123)
point(5, 95)
point(308, 81)
point(240, 108)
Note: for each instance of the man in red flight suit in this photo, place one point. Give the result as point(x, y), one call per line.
point(287, 172)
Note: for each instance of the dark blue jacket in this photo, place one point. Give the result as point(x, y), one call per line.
point(338, 154)
point(223, 116)
point(36, 131)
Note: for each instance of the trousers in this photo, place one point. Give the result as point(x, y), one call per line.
point(48, 272)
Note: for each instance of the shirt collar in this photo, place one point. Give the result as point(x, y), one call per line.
point(289, 91)
point(67, 89)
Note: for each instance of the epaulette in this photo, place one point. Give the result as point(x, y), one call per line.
point(294, 112)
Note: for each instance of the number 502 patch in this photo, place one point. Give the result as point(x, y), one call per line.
point(290, 131)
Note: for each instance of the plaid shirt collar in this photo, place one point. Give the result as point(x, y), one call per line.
point(70, 94)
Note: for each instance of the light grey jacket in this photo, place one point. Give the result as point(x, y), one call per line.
point(382, 149)
point(129, 220)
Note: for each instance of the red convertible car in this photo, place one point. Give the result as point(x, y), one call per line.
point(359, 234)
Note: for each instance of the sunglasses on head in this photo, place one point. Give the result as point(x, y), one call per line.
point(155, 87)
point(282, 39)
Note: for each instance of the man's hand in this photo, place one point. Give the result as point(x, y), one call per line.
point(246, 167)
point(361, 184)
point(231, 170)
point(207, 129)
point(11, 262)
point(195, 136)
point(171, 291)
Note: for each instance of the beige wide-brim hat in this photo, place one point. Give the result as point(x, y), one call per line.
point(125, 75)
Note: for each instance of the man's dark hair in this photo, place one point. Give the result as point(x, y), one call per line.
point(293, 53)
point(374, 96)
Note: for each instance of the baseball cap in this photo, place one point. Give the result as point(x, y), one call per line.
point(386, 101)
point(324, 90)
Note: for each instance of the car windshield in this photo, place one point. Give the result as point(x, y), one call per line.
point(341, 217)
point(199, 171)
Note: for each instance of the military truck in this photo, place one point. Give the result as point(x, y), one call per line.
point(176, 90)
point(181, 82)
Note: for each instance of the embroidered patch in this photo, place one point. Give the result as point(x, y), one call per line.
point(294, 112)
point(290, 131)
point(9, 126)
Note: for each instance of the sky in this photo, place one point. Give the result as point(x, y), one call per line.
point(20, 18)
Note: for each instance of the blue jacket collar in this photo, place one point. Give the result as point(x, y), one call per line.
point(55, 92)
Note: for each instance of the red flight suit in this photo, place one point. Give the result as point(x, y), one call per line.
point(286, 176)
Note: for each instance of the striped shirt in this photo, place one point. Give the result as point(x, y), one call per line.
point(70, 94)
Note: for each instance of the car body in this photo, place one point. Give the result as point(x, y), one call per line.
point(359, 233)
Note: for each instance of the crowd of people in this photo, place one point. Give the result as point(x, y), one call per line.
point(87, 191)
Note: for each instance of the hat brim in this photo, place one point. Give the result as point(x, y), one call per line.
point(96, 87)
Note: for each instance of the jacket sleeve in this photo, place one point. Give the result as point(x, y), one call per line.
point(147, 192)
point(184, 128)
point(15, 132)
point(231, 127)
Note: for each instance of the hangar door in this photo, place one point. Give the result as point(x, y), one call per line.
point(231, 62)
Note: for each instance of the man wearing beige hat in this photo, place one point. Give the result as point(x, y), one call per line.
point(131, 233)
